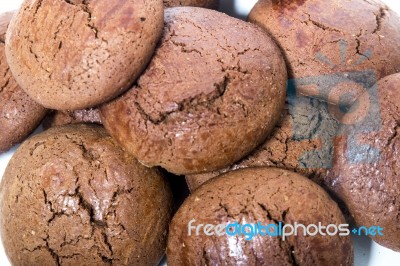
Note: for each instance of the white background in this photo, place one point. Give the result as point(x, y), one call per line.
point(368, 253)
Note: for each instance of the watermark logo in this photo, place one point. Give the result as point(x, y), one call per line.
point(251, 230)
point(348, 102)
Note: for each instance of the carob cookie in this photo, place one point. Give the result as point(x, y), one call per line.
point(302, 141)
point(324, 37)
point(70, 55)
point(251, 196)
point(59, 118)
point(366, 168)
point(19, 114)
point(72, 196)
point(211, 94)
point(199, 3)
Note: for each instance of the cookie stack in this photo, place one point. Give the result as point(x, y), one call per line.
point(272, 121)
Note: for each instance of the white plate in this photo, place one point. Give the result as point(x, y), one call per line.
point(367, 252)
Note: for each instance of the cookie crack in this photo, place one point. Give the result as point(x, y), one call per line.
point(53, 253)
point(321, 25)
point(84, 6)
point(380, 16)
point(188, 104)
point(395, 133)
point(38, 6)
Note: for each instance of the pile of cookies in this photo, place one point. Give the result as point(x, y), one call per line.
point(292, 117)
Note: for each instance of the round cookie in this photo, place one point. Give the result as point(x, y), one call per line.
point(211, 94)
point(19, 114)
point(72, 196)
point(59, 118)
point(366, 168)
point(251, 196)
point(70, 55)
point(324, 37)
point(302, 141)
point(199, 3)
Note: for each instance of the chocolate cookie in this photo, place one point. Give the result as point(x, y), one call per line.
point(268, 196)
point(59, 118)
point(70, 55)
point(367, 167)
point(199, 3)
point(324, 37)
point(302, 141)
point(19, 114)
point(72, 196)
point(211, 94)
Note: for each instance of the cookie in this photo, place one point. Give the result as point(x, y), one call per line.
point(325, 37)
point(366, 168)
point(199, 3)
point(268, 196)
point(302, 141)
point(59, 118)
point(211, 94)
point(4, 21)
point(19, 114)
point(70, 55)
point(72, 196)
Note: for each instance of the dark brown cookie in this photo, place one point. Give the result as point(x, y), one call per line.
point(70, 55)
point(59, 118)
point(72, 196)
point(199, 3)
point(323, 37)
point(302, 141)
point(249, 196)
point(366, 168)
point(211, 94)
point(19, 114)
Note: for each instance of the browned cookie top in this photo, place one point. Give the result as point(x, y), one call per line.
point(198, 3)
point(249, 196)
point(323, 37)
point(75, 54)
point(72, 196)
point(212, 93)
point(59, 118)
point(19, 114)
point(367, 167)
point(302, 141)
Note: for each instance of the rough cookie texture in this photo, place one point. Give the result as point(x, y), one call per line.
point(19, 114)
point(370, 187)
point(323, 37)
point(4, 21)
point(199, 3)
point(71, 196)
point(75, 54)
point(211, 94)
point(266, 195)
point(59, 118)
point(302, 140)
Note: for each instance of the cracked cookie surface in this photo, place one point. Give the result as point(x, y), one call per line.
point(75, 54)
point(212, 93)
point(19, 114)
point(249, 196)
point(72, 196)
point(59, 118)
point(302, 140)
point(366, 168)
point(199, 3)
point(323, 37)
